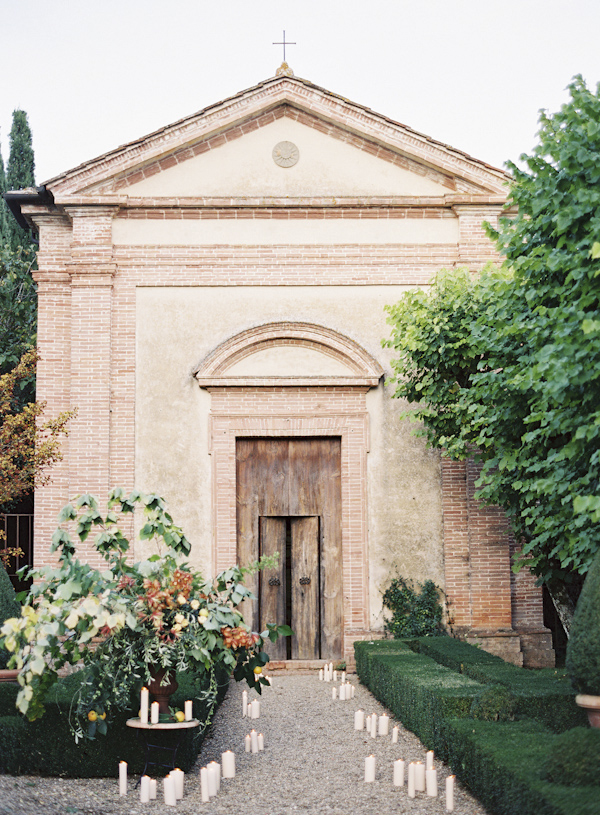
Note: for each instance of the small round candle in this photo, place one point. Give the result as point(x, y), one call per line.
point(204, 785)
point(411, 780)
point(431, 782)
point(450, 793)
point(169, 791)
point(228, 762)
point(399, 773)
point(145, 789)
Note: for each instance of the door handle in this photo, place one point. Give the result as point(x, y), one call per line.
point(304, 581)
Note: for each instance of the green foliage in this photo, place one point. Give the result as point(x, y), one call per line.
point(46, 746)
point(502, 762)
point(4, 214)
point(9, 607)
point(18, 311)
point(507, 366)
point(19, 172)
point(414, 613)
point(583, 648)
point(494, 703)
point(575, 758)
point(545, 695)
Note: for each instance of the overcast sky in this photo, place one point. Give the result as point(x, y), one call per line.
point(94, 74)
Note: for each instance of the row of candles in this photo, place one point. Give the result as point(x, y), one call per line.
point(151, 711)
point(173, 782)
point(251, 710)
point(421, 778)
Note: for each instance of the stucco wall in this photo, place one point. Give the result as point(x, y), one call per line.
point(177, 327)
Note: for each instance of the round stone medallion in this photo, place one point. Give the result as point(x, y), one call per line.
point(285, 154)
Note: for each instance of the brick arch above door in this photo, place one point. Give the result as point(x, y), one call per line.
point(294, 405)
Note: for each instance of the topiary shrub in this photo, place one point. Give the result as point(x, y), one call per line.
point(575, 758)
point(494, 703)
point(415, 613)
point(583, 649)
point(9, 607)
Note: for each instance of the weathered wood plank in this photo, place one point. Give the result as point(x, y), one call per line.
point(272, 592)
point(305, 588)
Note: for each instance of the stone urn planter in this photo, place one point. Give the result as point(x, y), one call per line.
point(161, 690)
point(591, 705)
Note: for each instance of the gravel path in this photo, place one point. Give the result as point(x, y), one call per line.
point(313, 763)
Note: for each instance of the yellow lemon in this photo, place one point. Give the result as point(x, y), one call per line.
point(92, 716)
point(180, 716)
point(103, 715)
point(258, 670)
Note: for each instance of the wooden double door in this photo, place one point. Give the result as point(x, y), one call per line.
point(289, 501)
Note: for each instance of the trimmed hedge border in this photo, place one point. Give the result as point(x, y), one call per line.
point(545, 695)
point(502, 763)
point(47, 747)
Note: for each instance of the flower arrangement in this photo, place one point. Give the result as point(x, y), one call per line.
point(128, 621)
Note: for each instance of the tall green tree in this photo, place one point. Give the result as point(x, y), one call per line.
point(20, 170)
point(4, 228)
point(507, 366)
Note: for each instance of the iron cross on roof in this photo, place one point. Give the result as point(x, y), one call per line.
point(284, 43)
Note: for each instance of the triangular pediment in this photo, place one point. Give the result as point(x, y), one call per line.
point(227, 151)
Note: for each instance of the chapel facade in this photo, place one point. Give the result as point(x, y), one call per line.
point(211, 300)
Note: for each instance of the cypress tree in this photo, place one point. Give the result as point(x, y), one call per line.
point(4, 233)
point(20, 170)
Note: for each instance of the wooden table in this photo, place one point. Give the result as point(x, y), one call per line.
point(145, 732)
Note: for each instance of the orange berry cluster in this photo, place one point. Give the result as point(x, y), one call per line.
point(238, 638)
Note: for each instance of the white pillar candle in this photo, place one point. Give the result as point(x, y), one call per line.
point(374, 726)
point(419, 776)
point(399, 773)
point(216, 769)
point(188, 712)
point(359, 720)
point(254, 741)
point(370, 769)
point(169, 791)
point(450, 794)
point(334, 692)
point(144, 702)
point(343, 677)
point(255, 709)
point(429, 762)
point(178, 777)
point(228, 762)
point(145, 789)
point(211, 781)
point(249, 710)
point(395, 732)
point(154, 713)
point(244, 704)
point(335, 676)
point(320, 674)
point(204, 785)
point(261, 742)
point(352, 694)
point(368, 724)
point(411, 779)
point(153, 789)
point(384, 724)
point(431, 782)
point(122, 778)
point(331, 668)
point(342, 693)
point(247, 743)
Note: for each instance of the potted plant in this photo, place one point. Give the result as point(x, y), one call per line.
point(583, 649)
point(129, 624)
